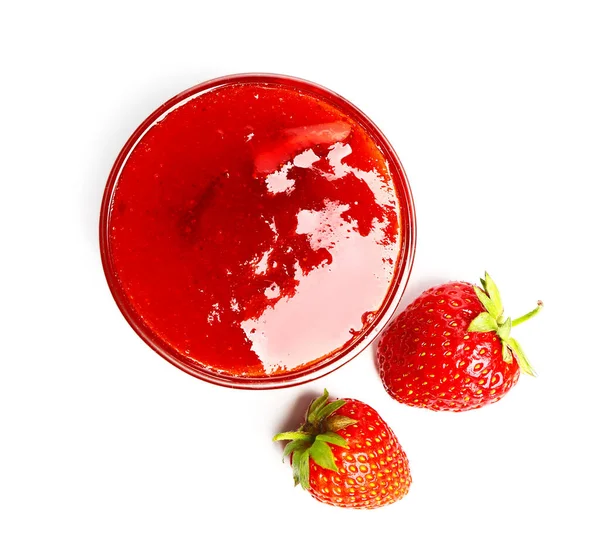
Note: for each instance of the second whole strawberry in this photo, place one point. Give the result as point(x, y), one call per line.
point(347, 456)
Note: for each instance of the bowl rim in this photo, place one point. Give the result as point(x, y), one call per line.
point(330, 362)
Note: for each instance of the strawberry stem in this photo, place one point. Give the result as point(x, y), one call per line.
point(493, 320)
point(292, 435)
point(313, 440)
point(527, 316)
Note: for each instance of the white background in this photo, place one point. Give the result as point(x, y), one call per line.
point(494, 110)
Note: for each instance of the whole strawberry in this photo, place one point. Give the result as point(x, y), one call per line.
point(346, 455)
point(451, 350)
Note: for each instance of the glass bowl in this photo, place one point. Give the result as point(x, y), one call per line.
point(327, 362)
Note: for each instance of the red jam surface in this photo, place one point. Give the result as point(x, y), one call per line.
point(253, 229)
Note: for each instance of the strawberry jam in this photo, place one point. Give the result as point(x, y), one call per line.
point(253, 228)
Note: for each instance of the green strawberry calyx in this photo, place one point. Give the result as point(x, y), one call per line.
point(313, 439)
point(493, 320)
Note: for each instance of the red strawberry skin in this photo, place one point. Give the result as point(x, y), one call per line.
point(427, 358)
point(373, 471)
